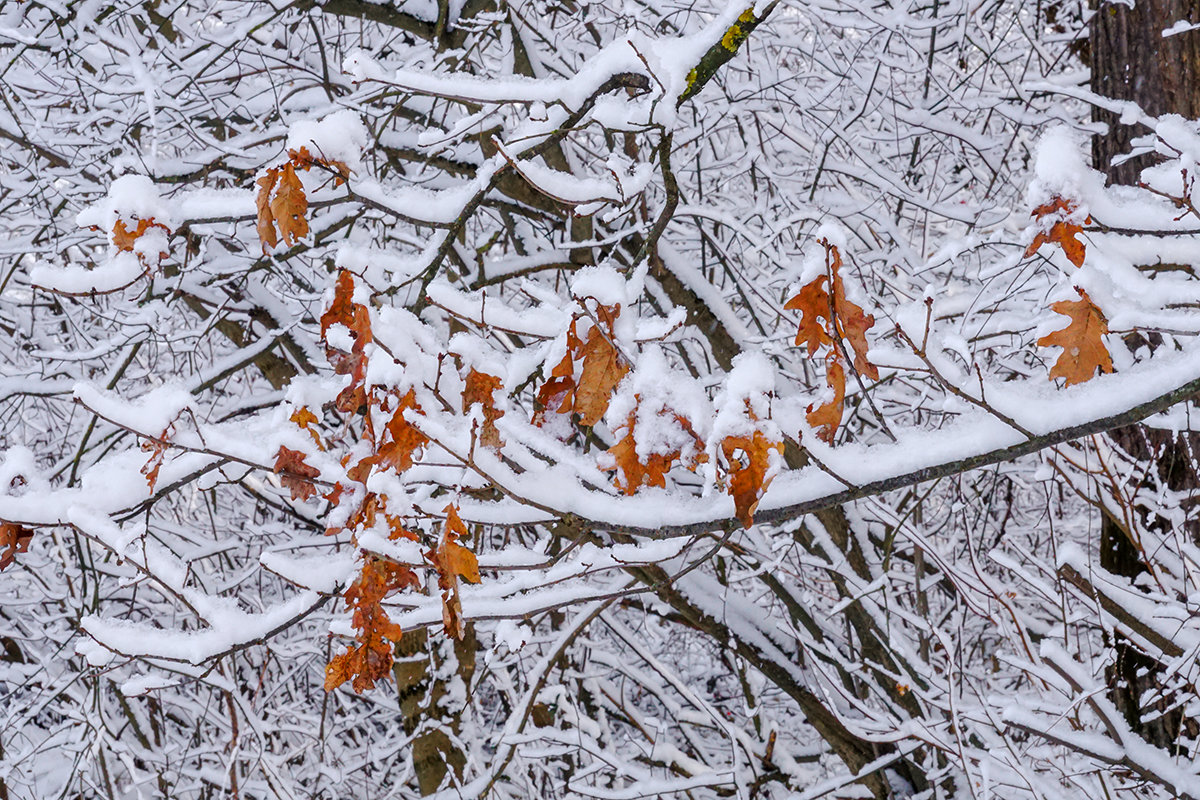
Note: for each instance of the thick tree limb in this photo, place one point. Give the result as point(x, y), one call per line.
point(1029, 446)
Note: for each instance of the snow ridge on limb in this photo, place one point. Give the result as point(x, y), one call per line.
point(782, 509)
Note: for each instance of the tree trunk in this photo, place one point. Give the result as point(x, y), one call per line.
point(1131, 60)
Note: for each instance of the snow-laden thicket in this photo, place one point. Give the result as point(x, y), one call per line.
point(918, 609)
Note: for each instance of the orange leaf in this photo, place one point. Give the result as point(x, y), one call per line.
point(344, 310)
point(558, 392)
point(357, 319)
point(289, 207)
point(654, 471)
point(624, 452)
point(603, 369)
point(157, 448)
point(1062, 232)
point(812, 301)
point(295, 474)
point(123, 238)
point(302, 159)
point(453, 561)
point(403, 438)
point(852, 322)
point(1082, 343)
point(370, 658)
point(844, 321)
point(827, 417)
point(459, 561)
point(150, 468)
point(814, 304)
point(305, 419)
point(480, 388)
point(334, 495)
point(14, 539)
point(749, 460)
point(266, 217)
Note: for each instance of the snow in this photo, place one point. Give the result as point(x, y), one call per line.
point(129, 196)
point(228, 628)
point(341, 136)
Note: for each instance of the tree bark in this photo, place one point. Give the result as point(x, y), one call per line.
point(1131, 60)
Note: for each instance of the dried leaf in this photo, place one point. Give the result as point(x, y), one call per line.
point(150, 468)
point(403, 439)
point(603, 369)
point(296, 475)
point(632, 474)
point(289, 206)
point(1062, 232)
point(352, 399)
point(852, 322)
point(355, 316)
point(828, 416)
point(303, 159)
point(305, 420)
point(844, 321)
point(1082, 342)
point(629, 466)
point(266, 217)
point(357, 319)
point(124, 239)
point(812, 301)
point(397, 531)
point(481, 388)
point(365, 515)
point(557, 394)
point(370, 658)
point(157, 449)
point(14, 539)
point(334, 497)
point(748, 459)
point(453, 561)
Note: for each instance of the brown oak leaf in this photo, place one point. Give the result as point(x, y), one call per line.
point(812, 301)
point(266, 217)
point(289, 206)
point(357, 319)
point(481, 388)
point(557, 394)
point(453, 561)
point(748, 459)
point(1082, 342)
point(296, 475)
point(14, 539)
point(150, 468)
point(828, 416)
point(124, 239)
point(827, 324)
point(305, 420)
point(852, 322)
point(1062, 232)
point(403, 439)
point(632, 473)
point(603, 369)
point(157, 449)
point(344, 310)
point(303, 159)
point(370, 658)
point(629, 466)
